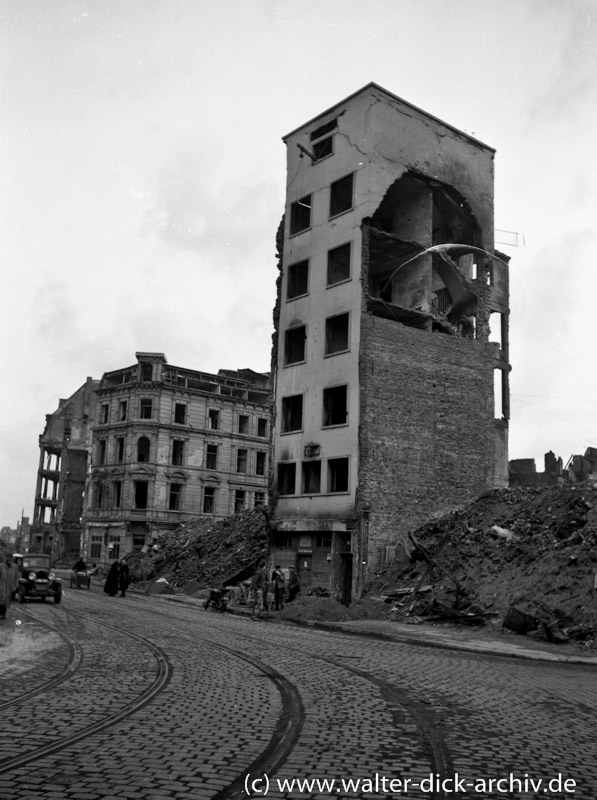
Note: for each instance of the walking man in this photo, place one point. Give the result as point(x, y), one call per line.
point(258, 588)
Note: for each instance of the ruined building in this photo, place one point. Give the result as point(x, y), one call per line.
point(64, 450)
point(171, 444)
point(390, 353)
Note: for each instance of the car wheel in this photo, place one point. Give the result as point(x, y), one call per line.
point(22, 596)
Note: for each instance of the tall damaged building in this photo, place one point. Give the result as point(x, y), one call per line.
point(390, 353)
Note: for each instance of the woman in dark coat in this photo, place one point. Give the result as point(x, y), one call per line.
point(112, 581)
point(124, 577)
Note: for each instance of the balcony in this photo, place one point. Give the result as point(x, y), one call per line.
point(138, 515)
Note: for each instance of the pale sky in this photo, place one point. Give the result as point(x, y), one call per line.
point(144, 178)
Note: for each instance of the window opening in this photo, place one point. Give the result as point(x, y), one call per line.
point(286, 478)
point(174, 497)
point(300, 215)
point(294, 345)
point(341, 195)
point(105, 413)
point(122, 410)
point(141, 492)
point(146, 410)
point(298, 279)
point(241, 461)
point(338, 475)
point(243, 424)
point(96, 546)
point(180, 413)
point(261, 427)
point(102, 451)
point(260, 463)
point(211, 457)
point(209, 499)
point(214, 419)
point(239, 500)
point(335, 410)
point(120, 449)
point(323, 540)
point(336, 334)
point(311, 477)
point(117, 494)
point(259, 499)
point(146, 371)
point(113, 546)
point(339, 264)
point(178, 452)
point(292, 413)
point(143, 449)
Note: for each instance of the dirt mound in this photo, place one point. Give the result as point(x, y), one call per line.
point(305, 609)
point(535, 548)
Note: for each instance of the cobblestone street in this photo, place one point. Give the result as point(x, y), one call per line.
point(149, 698)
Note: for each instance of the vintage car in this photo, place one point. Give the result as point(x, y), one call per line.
point(37, 580)
point(80, 579)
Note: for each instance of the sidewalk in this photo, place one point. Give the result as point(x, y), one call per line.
point(488, 640)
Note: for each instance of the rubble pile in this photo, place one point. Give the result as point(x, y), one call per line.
point(204, 553)
point(534, 549)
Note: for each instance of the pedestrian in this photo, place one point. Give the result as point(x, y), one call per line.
point(294, 585)
point(258, 586)
point(123, 577)
point(80, 566)
point(112, 581)
point(9, 583)
point(279, 584)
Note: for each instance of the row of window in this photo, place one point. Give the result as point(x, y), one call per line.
point(334, 409)
point(313, 479)
point(338, 271)
point(336, 339)
point(146, 411)
point(177, 454)
point(341, 200)
point(111, 497)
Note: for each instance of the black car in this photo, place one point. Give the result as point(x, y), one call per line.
point(37, 581)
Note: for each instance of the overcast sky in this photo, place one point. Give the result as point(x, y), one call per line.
point(144, 175)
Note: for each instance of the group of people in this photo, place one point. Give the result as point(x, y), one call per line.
point(9, 583)
point(117, 579)
point(282, 591)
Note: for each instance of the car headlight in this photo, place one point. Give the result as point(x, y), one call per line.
point(32, 576)
point(52, 575)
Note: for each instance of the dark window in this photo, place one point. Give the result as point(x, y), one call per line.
point(286, 478)
point(239, 500)
point(323, 148)
point(146, 411)
point(300, 215)
point(178, 452)
point(243, 423)
point(120, 449)
point(214, 419)
point(101, 455)
point(323, 540)
point(294, 345)
point(260, 463)
point(298, 279)
point(261, 427)
point(311, 477)
point(96, 546)
point(341, 195)
point(141, 492)
point(339, 264)
point(180, 413)
point(338, 475)
point(117, 494)
point(122, 410)
point(209, 499)
point(143, 449)
point(336, 334)
point(146, 371)
point(114, 547)
point(292, 413)
point(99, 495)
point(335, 409)
point(174, 497)
point(259, 499)
point(211, 456)
point(104, 413)
point(138, 541)
point(241, 461)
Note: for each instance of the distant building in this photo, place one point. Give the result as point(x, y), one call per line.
point(171, 444)
point(523, 472)
point(390, 359)
point(65, 447)
point(583, 468)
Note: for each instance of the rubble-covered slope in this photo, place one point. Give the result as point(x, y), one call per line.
point(534, 548)
point(205, 552)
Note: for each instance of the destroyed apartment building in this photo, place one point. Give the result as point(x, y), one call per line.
point(146, 448)
point(390, 353)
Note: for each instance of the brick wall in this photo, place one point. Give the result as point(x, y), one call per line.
point(427, 433)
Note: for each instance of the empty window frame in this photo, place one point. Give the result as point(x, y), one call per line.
point(122, 410)
point(146, 408)
point(286, 478)
point(339, 264)
point(300, 215)
point(292, 413)
point(311, 473)
point(337, 475)
point(214, 419)
point(211, 456)
point(104, 413)
point(341, 195)
point(239, 500)
point(99, 495)
point(259, 499)
point(120, 449)
point(174, 497)
point(113, 546)
point(260, 457)
point(141, 494)
point(261, 427)
point(322, 140)
point(117, 494)
point(243, 424)
point(241, 460)
point(101, 451)
point(143, 449)
point(146, 371)
point(178, 452)
point(180, 413)
point(209, 499)
point(335, 405)
point(294, 345)
point(298, 279)
point(323, 540)
point(336, 334)
point(96, 546)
